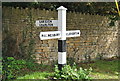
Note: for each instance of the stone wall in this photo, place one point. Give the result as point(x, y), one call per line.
point(98, 40)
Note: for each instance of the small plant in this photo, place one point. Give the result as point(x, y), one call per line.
point(70, 61)
point(31, 65)
point(72, 73)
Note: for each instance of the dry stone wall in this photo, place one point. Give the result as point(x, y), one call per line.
point(98, 40)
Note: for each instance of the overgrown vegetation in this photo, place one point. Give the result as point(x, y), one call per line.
point(17, 52)
point(1, 68)
point(100, 70)
point(103, 8)
point(11, 67)
point(72, 73)
point(28, 42)
point(67, 73)
point(113, 19)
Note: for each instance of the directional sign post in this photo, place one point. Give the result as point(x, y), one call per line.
point(48, 23)
point(62, 40)
point(57, 34)
point(73, 33)
point(50, 35)
point(61, 34)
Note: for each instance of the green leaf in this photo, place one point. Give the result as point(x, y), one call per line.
point(69, 72)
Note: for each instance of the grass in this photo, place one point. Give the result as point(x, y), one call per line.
point(101, 70)
point(0, 68)
point(97, 75)
point(36, 75)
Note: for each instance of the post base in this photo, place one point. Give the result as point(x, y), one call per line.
point(60, 66)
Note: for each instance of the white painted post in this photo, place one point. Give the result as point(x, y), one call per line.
point(62, 40)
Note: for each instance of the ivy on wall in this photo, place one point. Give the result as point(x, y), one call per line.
point(113, 20)
point(23, 48)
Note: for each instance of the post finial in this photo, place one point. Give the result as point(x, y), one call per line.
point(61, 8)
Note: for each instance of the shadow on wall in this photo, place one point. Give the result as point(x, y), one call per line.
point(8, 46)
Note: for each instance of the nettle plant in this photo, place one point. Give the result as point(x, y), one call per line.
point(72, 73)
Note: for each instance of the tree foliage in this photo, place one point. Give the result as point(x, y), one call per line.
point(102, 8)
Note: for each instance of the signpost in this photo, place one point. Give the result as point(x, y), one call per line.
point(50, 35)
point(73, 33)
point(61, 34)
point(57, 34)
point(47, 23)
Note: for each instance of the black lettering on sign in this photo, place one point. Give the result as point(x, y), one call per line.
point(66, 33)
point(41, 24)
point(43, 35)
point(49, 35)
point(53, 34)
point(72, 33)
point(42, 21)
point(45, 24)
point(47, 21)
point(57, 34)
point(50, 24)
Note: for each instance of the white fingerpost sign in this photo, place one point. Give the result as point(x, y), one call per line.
point(50, 35)
point(61, 34)
point(73, 33)
point(47, 23)
point(57, 34)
